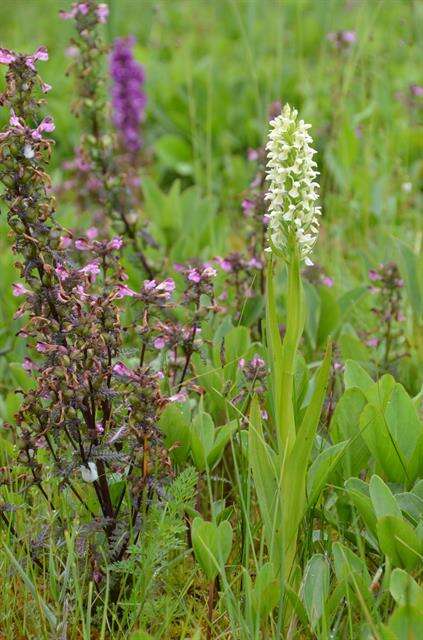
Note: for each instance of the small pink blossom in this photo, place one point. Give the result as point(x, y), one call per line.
point(209, 272)
point(124, 291)
point(266, 219)
point(61, 272)
point(252, 155)
point(167, 285)
point(102, 12)
point(224, 264)
point(6, 56)
point(159, 343)
point(65, 242)
point(82, 245)
point(45, 87)
point(374, 275)
point(247, 206)
point(29, 365)
point(181, 396)
point(115, 244)
point(19, 289)
point(372, 342)
point(328, 282)
point(92, 233)
point(194, 276)
point(91, 269)
point(121, 370)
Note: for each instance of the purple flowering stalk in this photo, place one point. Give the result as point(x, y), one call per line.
point(128, 98)
point(94, 416)
point(387, 337)
point(97, 168)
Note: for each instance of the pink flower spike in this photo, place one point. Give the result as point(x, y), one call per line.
point(102, 12)
point(18, 289)
point(6, 56)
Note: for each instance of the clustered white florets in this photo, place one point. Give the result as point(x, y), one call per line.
point(293, 191)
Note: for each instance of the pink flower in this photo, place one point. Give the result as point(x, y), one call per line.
point(83, 8)
point(266, 218)
point(40, 54)
point(209, 272)
point(123, 291)
point(115, 243)
point(149, 285)
point(252, 155)
point(247, 206)
point(18, 289)
point(102, 12)
point(328, 282)
point(45, 87)
point(194, 275)
point(65, 242)
point(43, 347)
point(61, 272)
point(45, 125)
point(91, 269)
point(182, 396)
point(92, 233)
point(374, 275)
point(224, 264)
point(6, 56)
point(167, 285)
point(121, 370)
point(372, 342)
point(159, 343)
point(82, 245)
point(255, 263)
point(28, 365)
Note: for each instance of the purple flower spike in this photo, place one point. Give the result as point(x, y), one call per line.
point(128, 97)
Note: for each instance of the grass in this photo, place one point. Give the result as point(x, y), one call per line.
point(213, 69)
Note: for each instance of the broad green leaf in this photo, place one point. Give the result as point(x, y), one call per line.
point(377, 437)
point(329, 315)
point(383, 501)
point(176, 429)
point(398, 540)
point(358, 491)
point(202, 439)
point(212, 545)
point(294, 494)
point(356, 377)
point(321, 469)
point(347, 563)
point(263, 463)
point(405, 426)
point(407, 623)
point(345, 426)
point(223, 435)
point(265, 594)
point(316, 588)
point(405, 590)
